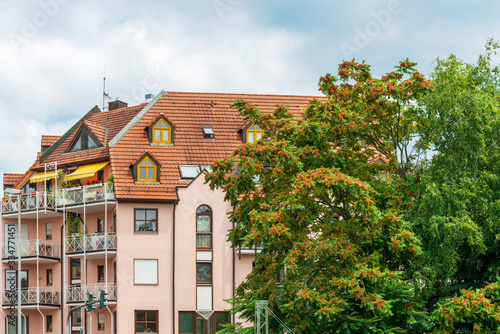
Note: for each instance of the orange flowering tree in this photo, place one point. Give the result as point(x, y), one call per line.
point(334, 249)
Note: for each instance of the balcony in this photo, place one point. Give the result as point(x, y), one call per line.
point(33, 297)
point(94, 245)
point(30, 203)
point(50, 202)
point(93, 196)
point(78, 294)
point(33, 250)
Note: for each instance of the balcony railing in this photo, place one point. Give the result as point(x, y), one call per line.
point(85, 194)
point(33, 296)
point(90, 243)
point(29, 201)
point(63, 197)
point(33, 248)
point(75, 293)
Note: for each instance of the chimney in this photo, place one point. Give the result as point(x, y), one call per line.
point(117, 104)
point(148, 98)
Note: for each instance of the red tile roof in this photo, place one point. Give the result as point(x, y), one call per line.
point(104, 125)
point(188, 112)
point(48, 140)
point(10, 179)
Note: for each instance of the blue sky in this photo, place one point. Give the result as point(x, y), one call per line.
point(54, 53)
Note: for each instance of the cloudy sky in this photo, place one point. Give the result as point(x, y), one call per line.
point(55, 53)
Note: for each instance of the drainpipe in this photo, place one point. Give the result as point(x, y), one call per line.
point(173, 269)
point(234, 269)
point(63, 261)
point(38, 271)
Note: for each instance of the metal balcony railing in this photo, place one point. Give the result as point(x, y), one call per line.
point(46, 296)
point(29, 201)
point(90, 243)
point(85, 194)
point(33, 248)
point(75, 293)
point(63, 197)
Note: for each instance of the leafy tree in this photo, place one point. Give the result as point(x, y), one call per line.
point(318, 211)
point(456, 209)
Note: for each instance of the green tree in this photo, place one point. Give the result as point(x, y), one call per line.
point(456, 210)
point(306, 193)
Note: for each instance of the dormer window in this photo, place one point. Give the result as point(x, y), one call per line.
point(146, 169)
point(254, 133)
point(161, 132)
point(83, 140)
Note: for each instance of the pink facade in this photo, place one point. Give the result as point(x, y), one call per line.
point(148, 232)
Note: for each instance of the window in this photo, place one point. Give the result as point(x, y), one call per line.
point(146, 272)
point(203, 227)
point(49, 323)
point(146, 220)
point(162, 132)
point(49, 276)
point(188, 172)
point(254, 133)
point(100, 321)
point(100, 273)
point(76, 317)
point(208, 132)
point(48, 231)
point(203, 273)
point(191, 322)
point(146, 170)
point(75, 272)
point(146, 321)
point(83, 140)
point(100, 224)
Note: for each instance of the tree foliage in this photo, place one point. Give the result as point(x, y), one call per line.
point(317, 209)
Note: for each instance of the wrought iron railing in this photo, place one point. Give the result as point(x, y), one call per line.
point(34, 248)
point(63, 197)
point(33, 296)
point(76, 293)
point(89, 243)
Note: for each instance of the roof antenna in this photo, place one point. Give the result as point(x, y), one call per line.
point(104, 94)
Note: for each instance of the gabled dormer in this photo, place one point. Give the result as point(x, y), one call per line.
point(146, 169)
point(161, 132)
point(251, 133)
point(83, 140)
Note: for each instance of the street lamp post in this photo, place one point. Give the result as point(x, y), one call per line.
point(19, 318)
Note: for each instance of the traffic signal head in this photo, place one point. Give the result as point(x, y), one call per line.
point(103, 301)
point(90, 302)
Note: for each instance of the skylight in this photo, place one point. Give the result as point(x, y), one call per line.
point(189, 172)
point(208, 132)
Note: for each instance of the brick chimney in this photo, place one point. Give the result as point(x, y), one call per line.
point(117, 104)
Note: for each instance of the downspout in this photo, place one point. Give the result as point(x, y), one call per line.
point(38, 269)
point(63, 261)
point(173, 269)
point(106, 241)
point(234, 269)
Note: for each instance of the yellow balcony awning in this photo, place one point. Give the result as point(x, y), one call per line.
point(41, 176)
point(85, 171)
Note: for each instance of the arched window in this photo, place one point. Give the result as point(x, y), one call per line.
point(203, 227)
point(162, 132)
point(146, 170)
point(254, 133)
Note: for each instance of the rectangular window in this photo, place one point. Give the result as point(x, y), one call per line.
point(100, 224)
point(49, 276)
point(100, 273)
point(193, 323)
point(146, 321)
point(76, 317)
point(48, 231)
point(146, 271)
point(203, 273)
point(75, 272)
point(146, 220)
point(49, 323)
point(100, 321)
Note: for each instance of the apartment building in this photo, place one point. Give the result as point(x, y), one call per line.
point(118, 204)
